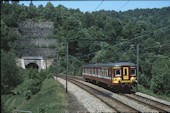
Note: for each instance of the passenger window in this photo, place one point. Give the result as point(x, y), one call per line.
point(93, 71)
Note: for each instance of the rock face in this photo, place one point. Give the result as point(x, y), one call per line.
point(36, 29)
point(35, 40)
point(39, 42)
point(44, 52)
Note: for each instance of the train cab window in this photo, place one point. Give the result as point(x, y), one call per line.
point(117, 72)
point(125, 72)
point(133, 72)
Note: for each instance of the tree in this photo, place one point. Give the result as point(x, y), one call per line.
point(10, 76)
point(8, 36)
point(10, 19)
point(160, 82)
point(107, 53)
point(32, 11)
point(49, 11)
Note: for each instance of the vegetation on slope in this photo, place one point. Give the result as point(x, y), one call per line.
point(97, 37)
point(50, 99)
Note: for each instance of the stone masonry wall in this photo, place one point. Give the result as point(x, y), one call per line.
point(36, 29)
point(28, 45)
point(39, 42)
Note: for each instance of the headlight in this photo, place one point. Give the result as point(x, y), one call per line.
point(133, 79)
point(119, 79)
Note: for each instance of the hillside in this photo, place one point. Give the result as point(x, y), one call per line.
point(97, 37)
point(50, 99)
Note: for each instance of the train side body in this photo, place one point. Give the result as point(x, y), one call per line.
point(113, 74)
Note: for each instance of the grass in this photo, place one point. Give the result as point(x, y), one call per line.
point(51, 98)
point(150, 92)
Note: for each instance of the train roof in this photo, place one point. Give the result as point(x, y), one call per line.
point(110, 64)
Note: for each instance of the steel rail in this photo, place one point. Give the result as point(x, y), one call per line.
point(148, 102)
point(105, 98)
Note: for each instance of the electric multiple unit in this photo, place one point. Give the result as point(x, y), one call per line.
point(113, 74)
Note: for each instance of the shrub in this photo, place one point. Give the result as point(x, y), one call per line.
point(3, 108)
point(42, 108)
point(10, 73)
point(28, 94)
point(160, 82)
point(27, 88)
point(144, 80)
point(33, 81)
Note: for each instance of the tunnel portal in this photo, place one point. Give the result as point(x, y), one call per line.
point(32, 65)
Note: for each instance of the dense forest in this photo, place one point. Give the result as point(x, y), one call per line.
point(95, 37)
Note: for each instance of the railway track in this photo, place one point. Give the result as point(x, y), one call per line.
point(116, 105)
point(160, 107)
point(148, 102)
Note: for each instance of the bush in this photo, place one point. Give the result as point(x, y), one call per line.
point(28, 94)
point(49, 75)
point(31, 87)
point(33, 81)
point(160, 82)
point(10, 73)
point(27, 88)
point(42, 108)
point(3, 108)
point(157, 84)
point(144, 80)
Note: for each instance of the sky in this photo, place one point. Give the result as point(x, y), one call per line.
point(90, 6)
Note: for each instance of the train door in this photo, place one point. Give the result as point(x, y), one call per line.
point(125, 73)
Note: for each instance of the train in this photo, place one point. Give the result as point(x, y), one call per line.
point(116, 75)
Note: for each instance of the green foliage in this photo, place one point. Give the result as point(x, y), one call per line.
point(9, 15)
point(8, 36)
point(3, 108)
point(107, 53)
point(10, 73)
point(51, 92)
point(33, 81)
point(32, 11)
point(42, 108)
point(144, 80)
point(78, 29)
point(142, 89)
point(75, 66)
point(160, 82)
point(30, 88)
point(49, 11)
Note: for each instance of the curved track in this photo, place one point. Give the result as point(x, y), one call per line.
point(148, 102)
point(160, 107)
point(116, 105)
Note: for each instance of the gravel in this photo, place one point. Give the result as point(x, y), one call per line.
point(75, 105)
point(134, 104)
point(153, 98)
point(91, 103)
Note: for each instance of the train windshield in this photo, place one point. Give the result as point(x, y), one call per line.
point(133, 72)
point(117, 72)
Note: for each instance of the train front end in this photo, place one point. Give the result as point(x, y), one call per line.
point(125, 75)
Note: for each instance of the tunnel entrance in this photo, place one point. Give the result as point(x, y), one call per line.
point(32, 65)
